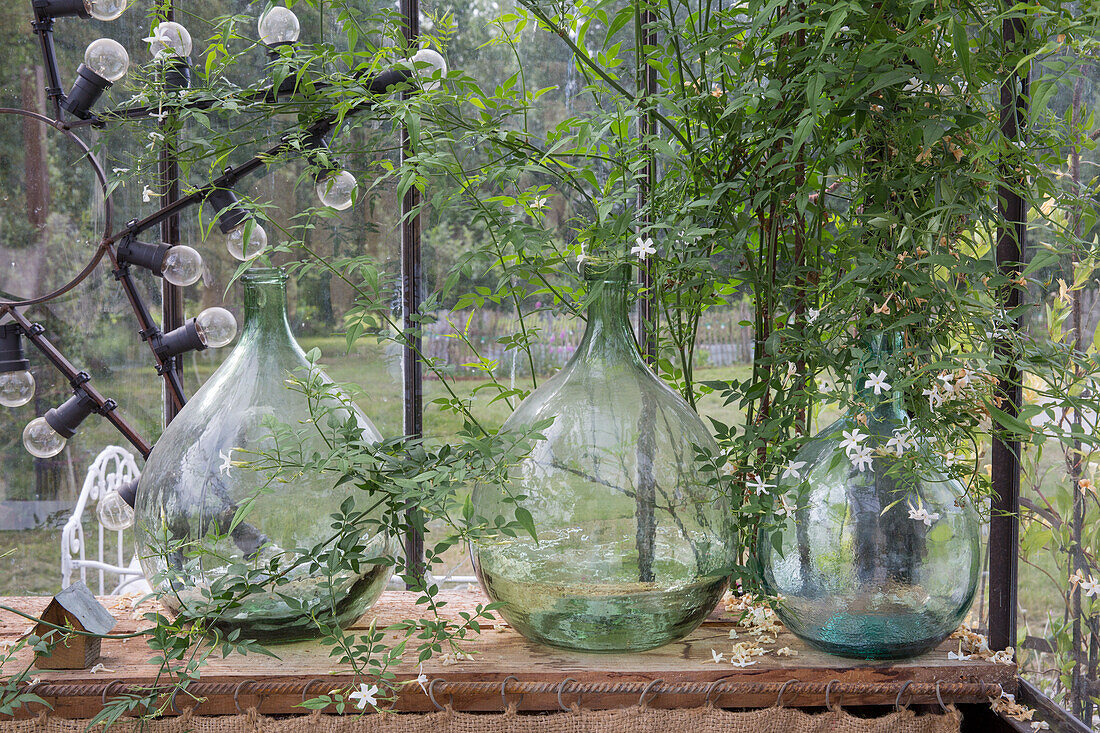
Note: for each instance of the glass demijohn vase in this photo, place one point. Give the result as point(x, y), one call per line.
point(203, 526)
point(880, 557)
point(634, 543)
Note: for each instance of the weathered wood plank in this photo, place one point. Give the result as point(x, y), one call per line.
point(500, 653)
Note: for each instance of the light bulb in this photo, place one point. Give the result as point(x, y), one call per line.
point(182, 266)
point(245, 245)
point(169, 38)
point(105, 9)
point(337, 190)
point(16, 388)
point(114, 513)
point(42, 441)
point(437, 62)
point(107, 58)
point(216, 326)
point(278, 25)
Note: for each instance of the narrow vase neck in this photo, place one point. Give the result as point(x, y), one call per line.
point(265, 305)
point(889, 404)
point(608, 334)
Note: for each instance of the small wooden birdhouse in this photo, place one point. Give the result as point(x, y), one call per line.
point(76, 607)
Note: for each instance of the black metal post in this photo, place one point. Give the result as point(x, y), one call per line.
point(647, 305)
point(412, 277)
point(171, 308)
point(1004, 529)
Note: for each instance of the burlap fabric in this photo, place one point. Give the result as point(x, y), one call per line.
point(629, 720)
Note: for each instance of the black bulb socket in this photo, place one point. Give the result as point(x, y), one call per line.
point(12, 356)
point(187, 337)
point(128, 492)
point(66, 418)
point(142, 254)
point(87, 89)
point(61, 8)
point(273, 51)
point(177, 73)
point(227, 205)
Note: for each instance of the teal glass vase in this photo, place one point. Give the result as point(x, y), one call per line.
point(881, 555)
point(207, 529)
point(634, 540)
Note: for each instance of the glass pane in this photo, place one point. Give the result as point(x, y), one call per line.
point(1059, 616)
point(51, 221)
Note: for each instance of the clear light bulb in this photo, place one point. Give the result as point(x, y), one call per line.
point(217, 327)
point(337, 190)
point(182, 266)
point(107, 57)
point(245, 245)
point(437, 64)
point(169, 38)
point(105, 9)
point(42, 441)
point(114, 513)
point(278, 25)
point(16, 388)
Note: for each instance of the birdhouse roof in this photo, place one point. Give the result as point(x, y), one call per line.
point(78, 601)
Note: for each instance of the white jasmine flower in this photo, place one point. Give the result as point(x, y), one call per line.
point(948, 384)
point(100, 667)
point(539, 203)
point(364, 696)
point(643, 247)
point(743, 663)
point(898, 444)
point(717, 656)
point(862, 459)
point(757, 484)
point(422, 679)
point(923, 515)
point(793, 469)
point(812, 314)
point(878, 383)
point(785, 507)
point(934, 397)
point(227, 461)
point(148, 194)
point(853, 441)
point(1091, 587)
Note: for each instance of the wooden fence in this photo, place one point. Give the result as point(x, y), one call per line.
point(459, 340)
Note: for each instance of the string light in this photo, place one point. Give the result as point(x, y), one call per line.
point(278, 26)
point(179, 265)
point(46, 436)
point(16, 381)
point(105, 62)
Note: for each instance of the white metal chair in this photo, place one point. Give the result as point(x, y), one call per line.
point(112, 468)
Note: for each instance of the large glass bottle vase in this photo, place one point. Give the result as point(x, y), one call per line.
point(208, 528)
point(634, 539)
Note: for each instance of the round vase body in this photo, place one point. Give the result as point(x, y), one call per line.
point(634, 542)
point(879, 563)
point(203, 524)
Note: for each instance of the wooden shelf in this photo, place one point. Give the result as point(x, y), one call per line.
point(685, 670)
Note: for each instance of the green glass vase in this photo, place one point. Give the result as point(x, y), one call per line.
point(880, 558)
point(205, 527)
point(634, 541)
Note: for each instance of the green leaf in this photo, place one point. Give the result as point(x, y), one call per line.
point(961, 43)
point(527, 522)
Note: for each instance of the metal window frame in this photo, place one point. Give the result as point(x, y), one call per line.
point(1011, 252)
